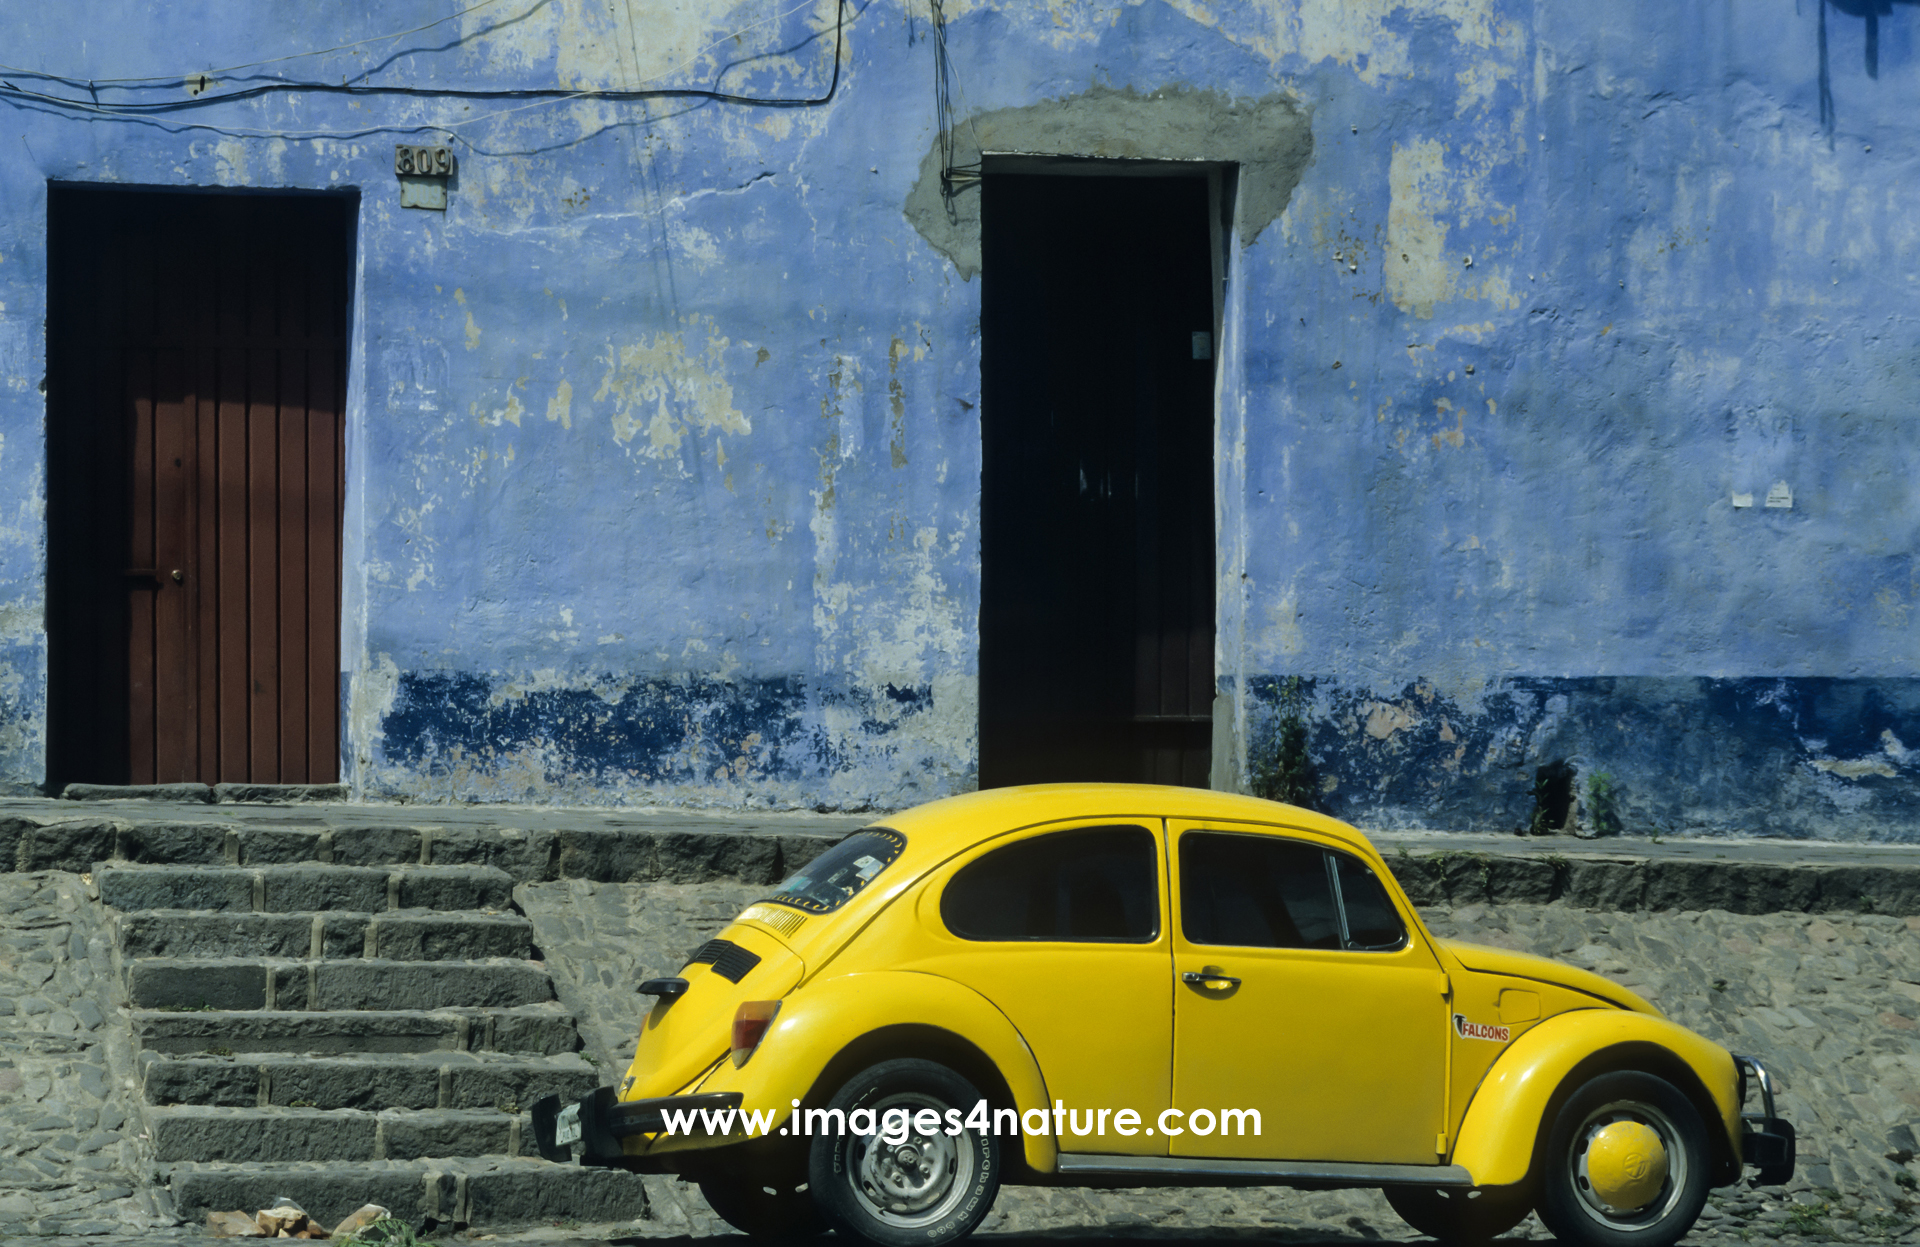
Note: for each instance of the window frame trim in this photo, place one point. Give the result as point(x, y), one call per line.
point(1330, 851)
point(1155, 827)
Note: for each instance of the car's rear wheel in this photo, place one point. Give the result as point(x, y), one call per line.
point(1464, 1217)
point(1625, 1164)
point(929, 1188)
point(764, 1211)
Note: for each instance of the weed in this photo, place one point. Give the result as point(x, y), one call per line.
point(1719, 985)
point(220, 1050)
point(1281, 769)
point(1553, 798)
point(303, 1104)
point(1905, 1179)
point(1883, 1223)
point(511, 1107)
point(1808, 1219)
point(1603, 804)
point(386, 1232)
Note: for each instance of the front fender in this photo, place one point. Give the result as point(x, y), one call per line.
point(1508, 1110)
point(820, 1020)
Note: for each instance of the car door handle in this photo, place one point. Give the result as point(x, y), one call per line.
point(1206, 978)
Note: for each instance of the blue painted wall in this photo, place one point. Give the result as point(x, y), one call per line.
point(663, 441)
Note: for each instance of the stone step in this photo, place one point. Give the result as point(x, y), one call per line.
point(540, 1029)
point(606, 846)
point(272, 1135)
point(297, 889)
point(491, 1193)
point(233, 983)
point(398, 935)
point(434, 1080)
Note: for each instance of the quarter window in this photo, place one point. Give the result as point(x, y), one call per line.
point(837, 876)
point(1088, 885)
point(1264, 892)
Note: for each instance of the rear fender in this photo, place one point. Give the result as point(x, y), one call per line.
point(863, 1018)
point(1510, 1109)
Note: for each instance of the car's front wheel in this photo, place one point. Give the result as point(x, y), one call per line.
point(1463, 1217)
point(909, 1181)
point(1625, 1164)
point(764, 1210)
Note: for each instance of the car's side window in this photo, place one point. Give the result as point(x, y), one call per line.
point(1265, 892)
point(1087, 885)
point(1373, 924)
point(1255, 892)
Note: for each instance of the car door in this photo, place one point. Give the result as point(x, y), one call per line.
point(1063, 928)
point(1304, 994)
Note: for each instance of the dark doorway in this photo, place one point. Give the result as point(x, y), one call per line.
point(196, 367)
point(1097, 545)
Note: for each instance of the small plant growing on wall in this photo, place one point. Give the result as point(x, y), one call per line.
point(1602, 804)
point(1280, 769)
point(1552, 799)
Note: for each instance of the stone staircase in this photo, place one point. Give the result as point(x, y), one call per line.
point(331, 1016)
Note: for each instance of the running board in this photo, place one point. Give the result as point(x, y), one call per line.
point(1271, 1170)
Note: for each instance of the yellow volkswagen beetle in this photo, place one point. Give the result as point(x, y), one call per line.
point(1119, 985)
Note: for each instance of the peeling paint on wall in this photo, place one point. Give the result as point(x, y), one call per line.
point(1269, 140)
point(664, 447)
point(660, 390)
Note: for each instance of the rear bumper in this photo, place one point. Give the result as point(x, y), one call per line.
point(1766, 1139)
point(604, 1121)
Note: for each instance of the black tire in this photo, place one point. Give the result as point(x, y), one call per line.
point(764, 1211)
point(1577, 1210)
point(923, 1192)
point(1465, 1217)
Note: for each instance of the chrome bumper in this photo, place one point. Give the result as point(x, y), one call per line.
point(1766, 1140)
point(597, 1123)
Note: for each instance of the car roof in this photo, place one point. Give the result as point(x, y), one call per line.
point(941, 828)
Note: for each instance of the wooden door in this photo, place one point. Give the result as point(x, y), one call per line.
point(197, 365)
point(1097, 541)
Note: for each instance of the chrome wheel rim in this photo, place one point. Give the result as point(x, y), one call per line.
point(916, 1182)
point(1657, 1208)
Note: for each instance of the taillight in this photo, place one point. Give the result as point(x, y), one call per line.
point(750, 1023)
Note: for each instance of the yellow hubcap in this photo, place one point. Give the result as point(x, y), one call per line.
point(1626, 1165)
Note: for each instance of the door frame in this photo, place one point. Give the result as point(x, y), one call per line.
point(66, 343)
point(1228, 769)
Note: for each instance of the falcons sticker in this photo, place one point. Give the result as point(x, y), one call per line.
point(1480, 1030)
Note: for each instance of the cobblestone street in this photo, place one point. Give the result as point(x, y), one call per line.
point(1829, 1003)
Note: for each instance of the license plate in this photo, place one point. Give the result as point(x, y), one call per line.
point(566, 1127)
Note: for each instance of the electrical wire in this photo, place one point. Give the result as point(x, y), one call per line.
point(275, 60)
point(536, 94)
point(954, 177)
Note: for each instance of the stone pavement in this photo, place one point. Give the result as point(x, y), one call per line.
point(628, 845)
point(1831, 1004)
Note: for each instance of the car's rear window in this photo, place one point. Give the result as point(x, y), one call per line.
point(836, 876)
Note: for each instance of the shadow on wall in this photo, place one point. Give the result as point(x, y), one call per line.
point(1869, 11)
point(1808, 757)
